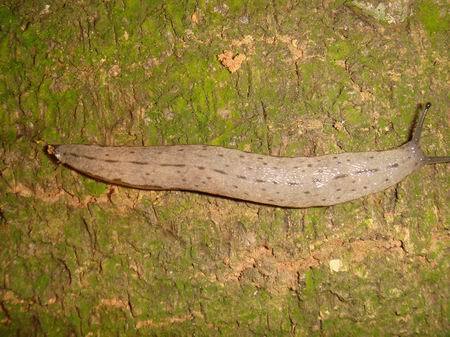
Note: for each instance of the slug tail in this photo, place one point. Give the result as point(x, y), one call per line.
point(437, 160)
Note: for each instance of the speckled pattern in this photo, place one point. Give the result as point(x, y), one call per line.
point(281, 181)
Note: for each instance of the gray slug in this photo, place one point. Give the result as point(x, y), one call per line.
point(281, 181)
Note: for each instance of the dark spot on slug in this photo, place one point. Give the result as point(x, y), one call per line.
point(220, 155)
point(172, 165)
point(387, 179)
point(365, 187)
point(338, 190)
point(339, 162)
point(241, 156)
point(353, 190)
point(147, 174)
point(242, 177)
point(371, 157)
point(226, 165)
point(180, 150)
point(139, 162)
point(110, 161)
point(132, 152)
point(323, 199)
point(353, 181)
point(274, 182)
point(260, 158)
point(264, 163)
point(367, 171)
point(335, 157)
point(309, 165)
point(348, 159)
point(340, 176)
point(292, 183)
point(106, 154)
point(201, 167)
point(260, 181)
point(184, 180)
point(209, 178)
point(178, 171)
point(307, 192)
point(393, 165)
point(235, 186)
point(219, 171)
point(263, 189)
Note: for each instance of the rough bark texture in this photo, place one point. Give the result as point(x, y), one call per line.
point(81, 258)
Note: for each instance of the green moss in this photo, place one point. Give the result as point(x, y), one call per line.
point(355, 117)
point(51, 135)
point(93, 187)
point(340, 50)
point(41, 283)
point(345, 327)
point(8, 19)
point(314, 224)
point(236, 5)
point(8, 136)
point(433, 17)
point(112, 267)
point(84, 308)
point(53, 326)
point(313, 279)
point(20, 278)
point(73, 230)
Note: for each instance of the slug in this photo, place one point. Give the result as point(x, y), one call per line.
point(281, 181)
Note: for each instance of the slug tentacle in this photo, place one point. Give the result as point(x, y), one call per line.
point(419, 124)
point(288, 182)
point(417, 132)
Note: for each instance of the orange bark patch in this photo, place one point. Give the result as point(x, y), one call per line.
point(230, 61)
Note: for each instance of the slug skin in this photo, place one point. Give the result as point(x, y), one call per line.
point(281, 181)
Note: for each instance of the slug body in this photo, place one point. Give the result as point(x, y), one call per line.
point(282, 181)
